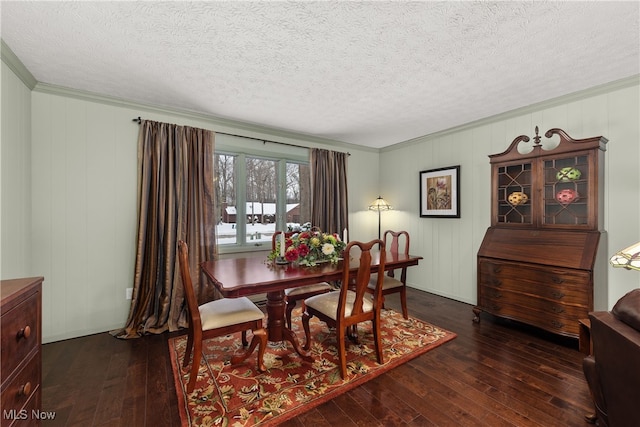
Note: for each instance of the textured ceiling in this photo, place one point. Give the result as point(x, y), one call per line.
point(368, 73)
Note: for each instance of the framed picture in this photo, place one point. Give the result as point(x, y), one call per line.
point(440, 193)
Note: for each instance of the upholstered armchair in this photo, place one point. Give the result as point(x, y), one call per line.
point(613, 371)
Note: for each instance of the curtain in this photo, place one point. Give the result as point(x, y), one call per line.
point(329, 205)
point(175, 202)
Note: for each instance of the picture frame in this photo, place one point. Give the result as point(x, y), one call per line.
point(440, 192)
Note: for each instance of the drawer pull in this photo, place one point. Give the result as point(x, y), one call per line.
point(496, 295)
point(556, 324)
point(557, 309)
point(557, 294)
point(496, 282)
point(24, 332)
point(557, 280)
point(497, 269)
point(25, 389)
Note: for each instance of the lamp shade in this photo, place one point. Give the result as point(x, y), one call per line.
point(380, 204)
point(628, 258)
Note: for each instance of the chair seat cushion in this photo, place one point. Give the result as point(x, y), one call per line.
point(228, 311)
point(316, 287)
point(327, 304)
point(387, 283)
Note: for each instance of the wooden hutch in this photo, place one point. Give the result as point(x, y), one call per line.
point(539, 260)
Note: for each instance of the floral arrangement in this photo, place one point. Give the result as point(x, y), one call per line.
point(310, 247)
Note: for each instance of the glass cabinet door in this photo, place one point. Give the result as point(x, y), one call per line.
point(555, 188)
point(514, 194)
point(566, 191)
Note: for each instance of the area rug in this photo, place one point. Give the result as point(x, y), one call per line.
point(239, 395)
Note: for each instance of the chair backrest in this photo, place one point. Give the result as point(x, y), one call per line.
point(392, 240)
point(190, 295)
point(276, 236)
point(360, 252)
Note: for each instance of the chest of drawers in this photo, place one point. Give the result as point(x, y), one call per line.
point(548, 298)
point(541, 278)
point(21, 357)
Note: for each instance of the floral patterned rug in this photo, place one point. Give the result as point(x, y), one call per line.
point(241, 396)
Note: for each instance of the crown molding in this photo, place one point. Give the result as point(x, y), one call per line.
point(218, 124)
point(564, 99)
point(13, 62)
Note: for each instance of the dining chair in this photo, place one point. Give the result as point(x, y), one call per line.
point(391, 285)
point(218, 318)
point(344, 309)
point(293, 295)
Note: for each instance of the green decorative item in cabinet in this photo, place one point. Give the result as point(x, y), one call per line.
point(568, 174)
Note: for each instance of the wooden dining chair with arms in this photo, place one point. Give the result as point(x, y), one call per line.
point(393, 241)
point(218, 318)
point(293, 295)
point(344, 309)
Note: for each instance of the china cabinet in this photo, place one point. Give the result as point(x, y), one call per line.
point(540, 261)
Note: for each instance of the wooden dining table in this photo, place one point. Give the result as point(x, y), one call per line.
point(238, 277)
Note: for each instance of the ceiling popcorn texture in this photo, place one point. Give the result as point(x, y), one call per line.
point(367, 73)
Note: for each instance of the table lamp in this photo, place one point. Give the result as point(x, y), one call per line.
point(380, 205)
point(628, 258)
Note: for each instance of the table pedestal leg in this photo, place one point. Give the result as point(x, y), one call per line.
point(277, 326)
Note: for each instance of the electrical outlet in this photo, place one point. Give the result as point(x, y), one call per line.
point(128, 293)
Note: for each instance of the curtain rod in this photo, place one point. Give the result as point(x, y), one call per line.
point(264, 141)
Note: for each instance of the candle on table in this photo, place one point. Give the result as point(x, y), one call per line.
point(282, 244)
point(344, 235)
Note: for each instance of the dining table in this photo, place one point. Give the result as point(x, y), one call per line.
point(255, 275)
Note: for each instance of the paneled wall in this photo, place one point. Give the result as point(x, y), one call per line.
point(84, 213)
point(15, 215)
point(450, 245)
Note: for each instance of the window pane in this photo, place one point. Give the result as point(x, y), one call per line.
point(261, 199)
point(225, 198)
point(298, 195)
point(247, 198)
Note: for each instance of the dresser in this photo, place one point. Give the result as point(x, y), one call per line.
point(542, 261)
point(21, 346)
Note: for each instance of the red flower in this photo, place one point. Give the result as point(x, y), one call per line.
point(303, 250)
point(305, 235)
point(291, 254)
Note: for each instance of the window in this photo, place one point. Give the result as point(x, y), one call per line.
point(298, 193)
point(257, 195)
point(260, 212)
point(225, 198)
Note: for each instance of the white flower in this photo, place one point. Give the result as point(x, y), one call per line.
point(328, 249)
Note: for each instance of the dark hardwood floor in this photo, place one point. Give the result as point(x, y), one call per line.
point(495, 373)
